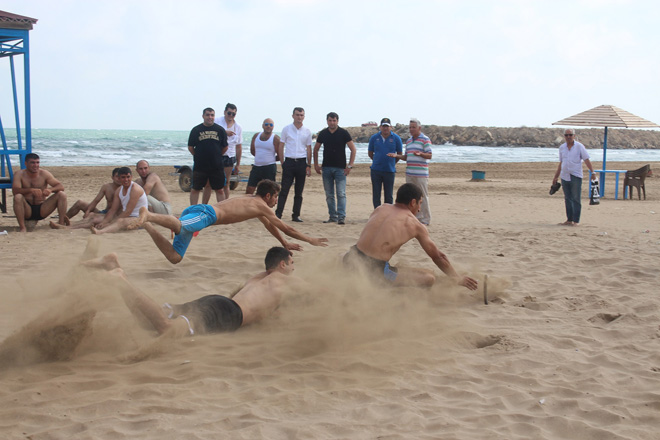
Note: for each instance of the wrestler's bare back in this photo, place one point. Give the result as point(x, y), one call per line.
point(388, 228)
point(261, 295)
point(239, 209)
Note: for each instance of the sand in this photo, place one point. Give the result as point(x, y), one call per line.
point(568, 346)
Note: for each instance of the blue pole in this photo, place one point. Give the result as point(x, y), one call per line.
point(28, 107)
point(602, 180)
point(16, 113)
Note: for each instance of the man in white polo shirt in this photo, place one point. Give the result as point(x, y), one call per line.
point(571, 155)
point(231, 160)
point(296, 148)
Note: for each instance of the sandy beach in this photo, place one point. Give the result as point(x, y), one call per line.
point(567, 348)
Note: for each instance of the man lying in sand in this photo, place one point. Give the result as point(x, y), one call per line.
point(391, 226)
point(258, 298)
point(235, 210)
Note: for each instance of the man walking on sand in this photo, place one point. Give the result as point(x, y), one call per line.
point(417, 156)
point(107, 191)
point(334, 169)
point(207, 143)
point(234, 210)
point(264, 148)
point(129, 198)
point(33, 200)
point(296, 148)
point(383, 168)
point(157, 195)
point(571, 155)
point(391, 226)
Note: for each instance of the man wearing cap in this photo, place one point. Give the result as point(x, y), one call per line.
point(417, 156)
point(296, 141)
point(383, 167)
point(334, 140)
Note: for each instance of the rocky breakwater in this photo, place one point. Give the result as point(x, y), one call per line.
point(617, 138)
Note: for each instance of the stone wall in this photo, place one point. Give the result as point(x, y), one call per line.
point(617, 138)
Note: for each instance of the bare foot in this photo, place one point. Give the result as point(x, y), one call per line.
point(65, 221)
point(144, 213)
point(54, 225)
point(94, 230)
point(108, 262)
point(22, 230)
point(92, 248)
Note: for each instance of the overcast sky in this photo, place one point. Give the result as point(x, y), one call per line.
point(151, 64)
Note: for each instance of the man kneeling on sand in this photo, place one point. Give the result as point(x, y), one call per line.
point(391, 226)
point(234, 210)
point(257, 299)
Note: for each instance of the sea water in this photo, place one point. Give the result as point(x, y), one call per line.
point(68, 147)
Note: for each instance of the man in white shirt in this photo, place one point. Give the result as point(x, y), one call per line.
point(571, 155)
point(231, 160)
point(297, 163)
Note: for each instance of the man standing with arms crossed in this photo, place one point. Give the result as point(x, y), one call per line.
point(234, 148)
point(334, 140)
point(381, 147)
point(264, 148)
point(154, 188)
point(207, 143)
point(297, 164)
point(33, 200)
point(418, 153)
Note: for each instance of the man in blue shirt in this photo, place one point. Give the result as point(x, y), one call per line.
point(383, 167)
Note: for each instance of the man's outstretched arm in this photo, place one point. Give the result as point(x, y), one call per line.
point(441, 260)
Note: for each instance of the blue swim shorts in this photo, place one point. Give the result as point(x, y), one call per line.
point(194, 218)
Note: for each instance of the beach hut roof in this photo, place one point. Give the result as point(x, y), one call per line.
point(606, 116)
point(14, 21)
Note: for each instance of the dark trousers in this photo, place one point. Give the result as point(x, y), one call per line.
point(292, 170)
point(385, 181)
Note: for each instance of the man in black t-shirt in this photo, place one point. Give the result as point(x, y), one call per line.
point(334, 140)
point(207, 143)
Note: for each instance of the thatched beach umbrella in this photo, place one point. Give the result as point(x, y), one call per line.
point(606, 116)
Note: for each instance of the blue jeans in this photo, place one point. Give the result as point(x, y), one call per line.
point(572, 192)
point(334, 177)
point(382, 180)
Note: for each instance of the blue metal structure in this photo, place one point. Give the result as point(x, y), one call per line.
point(14, 41)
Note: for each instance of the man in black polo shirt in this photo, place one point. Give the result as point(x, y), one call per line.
point(334, 140)
point(207, 143)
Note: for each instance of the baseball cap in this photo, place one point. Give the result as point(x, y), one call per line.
point(386, 121)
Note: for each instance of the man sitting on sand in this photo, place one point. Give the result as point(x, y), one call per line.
point(257, 299)
point(235, 210)
point(33, 200)
point(107, 191)
point(92, 216)
point(391, 226)
point(154, 188)
point(130, 198)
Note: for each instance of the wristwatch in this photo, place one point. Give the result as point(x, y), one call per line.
point(349, 166)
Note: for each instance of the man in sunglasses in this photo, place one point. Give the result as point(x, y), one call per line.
point(264, 147)
point(231, 160)
point(571, 155)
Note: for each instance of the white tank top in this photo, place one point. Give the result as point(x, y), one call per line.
point(142, 201)
point(264, 151)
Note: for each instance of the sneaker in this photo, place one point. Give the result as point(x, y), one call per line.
point(331, 220)
point(341, 222)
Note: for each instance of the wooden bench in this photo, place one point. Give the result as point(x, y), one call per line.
point(636, 178)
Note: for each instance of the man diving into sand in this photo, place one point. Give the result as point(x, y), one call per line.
point(235, 210)
point(257, 299)
point(391, 226)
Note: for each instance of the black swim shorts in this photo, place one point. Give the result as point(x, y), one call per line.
point(36, 212)
point(216, 313)
point(200, 178)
